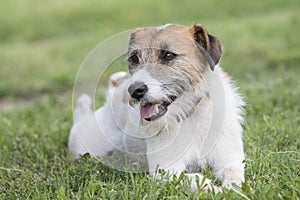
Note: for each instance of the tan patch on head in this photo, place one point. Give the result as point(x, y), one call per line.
point(180, 29)
point(198, 32)
point(144, 35)
point(148, 44)
point(178, 36)
point(196, 51)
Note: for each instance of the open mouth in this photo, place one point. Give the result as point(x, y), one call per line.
point(153, 111)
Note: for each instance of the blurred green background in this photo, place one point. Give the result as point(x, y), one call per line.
point(43, 43)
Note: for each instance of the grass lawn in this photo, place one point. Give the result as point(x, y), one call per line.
point(43, 43)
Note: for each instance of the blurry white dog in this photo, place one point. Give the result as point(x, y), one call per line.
point(181, 102)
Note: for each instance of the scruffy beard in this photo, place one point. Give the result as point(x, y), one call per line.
point(169, 100)
point(178, 111)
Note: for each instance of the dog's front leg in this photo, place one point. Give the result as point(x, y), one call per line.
point(227, 161)
point(168, 160)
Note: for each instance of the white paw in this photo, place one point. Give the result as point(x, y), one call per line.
point(209, 188)
point(232, 175)
point(205, 185)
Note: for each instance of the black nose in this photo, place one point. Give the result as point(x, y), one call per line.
point(137, 90)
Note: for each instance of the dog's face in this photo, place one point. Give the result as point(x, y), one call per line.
point(167, 65)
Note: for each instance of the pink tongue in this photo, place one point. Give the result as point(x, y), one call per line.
point(147, 111)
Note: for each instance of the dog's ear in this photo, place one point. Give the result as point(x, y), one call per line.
point(210, 43)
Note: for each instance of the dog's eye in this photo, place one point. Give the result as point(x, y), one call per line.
point(134, 59)
point(167, 55)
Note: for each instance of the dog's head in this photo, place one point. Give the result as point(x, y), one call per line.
point(167, 64)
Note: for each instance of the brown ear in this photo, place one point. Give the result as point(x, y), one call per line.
point(210, 43)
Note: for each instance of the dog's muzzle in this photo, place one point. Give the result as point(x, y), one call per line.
point(153, 110)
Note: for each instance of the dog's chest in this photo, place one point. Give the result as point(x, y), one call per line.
point(180, 146)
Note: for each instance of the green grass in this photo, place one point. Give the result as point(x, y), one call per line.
point(42, 44)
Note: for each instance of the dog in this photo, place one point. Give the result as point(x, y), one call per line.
point(175, 97)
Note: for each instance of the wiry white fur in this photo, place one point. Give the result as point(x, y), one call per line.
point(172, 143)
